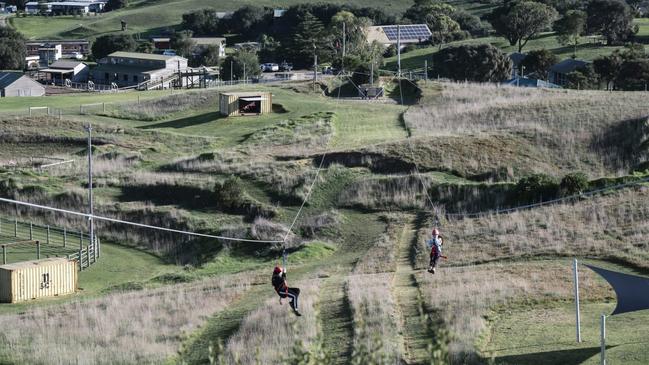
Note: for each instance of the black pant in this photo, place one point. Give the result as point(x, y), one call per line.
point(433, 260)
point(292, 294)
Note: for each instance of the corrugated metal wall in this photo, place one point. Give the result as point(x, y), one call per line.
point(37, 279)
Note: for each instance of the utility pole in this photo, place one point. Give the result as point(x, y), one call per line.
point(399, 50)
point(315, 66)
point(90, 198)
point(425, 71)
point(342, 63)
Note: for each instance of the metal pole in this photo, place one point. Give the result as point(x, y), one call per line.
point(15, 227)
point(315, 68)
point(425, 71)
point(90, 198)
point(245, 78)
point(231, 71)
point(399, 50)
point(372, 73)
point(31, 231)
point(48, 235)
point(4, 254)
point(65, 236)
point(342, 63)
point(38, 250)
point(602, 339)
point(578, 317)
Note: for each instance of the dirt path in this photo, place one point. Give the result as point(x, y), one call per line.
point(336, 320)
point(407, 294)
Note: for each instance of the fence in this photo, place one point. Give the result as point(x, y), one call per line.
point(17, 238)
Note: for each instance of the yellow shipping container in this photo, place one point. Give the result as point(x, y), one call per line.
point(37, 279)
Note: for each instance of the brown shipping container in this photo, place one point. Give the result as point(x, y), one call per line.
point(37, 279)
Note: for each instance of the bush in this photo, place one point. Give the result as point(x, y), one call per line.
point(480, 63)
point(574, 183)
point(229, 194)
point(391, 51)
point(535, 188)
point(409, 48)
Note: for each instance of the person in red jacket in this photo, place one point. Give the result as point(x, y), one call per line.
point(283, 290)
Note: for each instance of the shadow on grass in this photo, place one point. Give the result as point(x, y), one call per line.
point(565, 357)
point(187, 122)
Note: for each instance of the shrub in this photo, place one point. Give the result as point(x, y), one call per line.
point(229, 193)
point(537, 187)
point(409, 48)
point(574, 183)
point(391, 51)
point(481, 63)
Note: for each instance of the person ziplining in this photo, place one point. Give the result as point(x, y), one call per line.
point(284, 291)
point(435, 246)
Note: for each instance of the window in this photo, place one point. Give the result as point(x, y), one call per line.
point(125, 77)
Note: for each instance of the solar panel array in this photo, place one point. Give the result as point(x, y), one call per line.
point(409, 32)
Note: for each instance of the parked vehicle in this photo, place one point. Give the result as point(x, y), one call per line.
point(269, 67)
point(285, 66)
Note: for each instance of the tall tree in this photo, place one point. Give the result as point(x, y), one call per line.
point(608, 67)
point(355, 32)
point(240, 65)
point(251, 20)
point(481, 63)
point(12, 49)
point(539, 62)
point(107, 44)
point(182, 43)
point(209, 56)
point(522, 21)
point(203, 22)
point(611, 18)
point(570, 28)
point(308, 39)
point(442, 27)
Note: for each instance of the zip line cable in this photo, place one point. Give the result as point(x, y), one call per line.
point(119, 221)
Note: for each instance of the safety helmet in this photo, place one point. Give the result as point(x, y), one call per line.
point(277, 270)
point(435, 232)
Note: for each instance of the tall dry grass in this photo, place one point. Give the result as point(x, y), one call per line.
point(562, 124)
point(463, 296)
point(376, 330)
point(267, 335)
point(142, 327)
point(156, 109)
point(615, 225)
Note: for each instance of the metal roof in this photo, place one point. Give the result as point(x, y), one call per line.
point(8, 78)
point(66, 64)
point(204, 41)
point(141, 56)
point(567, 66)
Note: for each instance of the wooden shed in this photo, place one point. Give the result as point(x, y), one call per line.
point(18, 84)
point(245, 103)
point(29, 280)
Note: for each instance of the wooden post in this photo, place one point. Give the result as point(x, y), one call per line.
point(48, 235)
point(80, 259)
point(16, 227)
point(4, 254)
point(577, 314)
point(103, 105)
point(38, 250)
point(31, 231)
point(65, 236)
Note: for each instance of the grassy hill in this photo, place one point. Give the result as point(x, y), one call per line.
point(148, 17)
point(357, 249)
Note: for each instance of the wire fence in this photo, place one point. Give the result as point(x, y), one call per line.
point(21, 241)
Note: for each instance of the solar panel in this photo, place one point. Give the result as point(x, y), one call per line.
point(409, 32)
